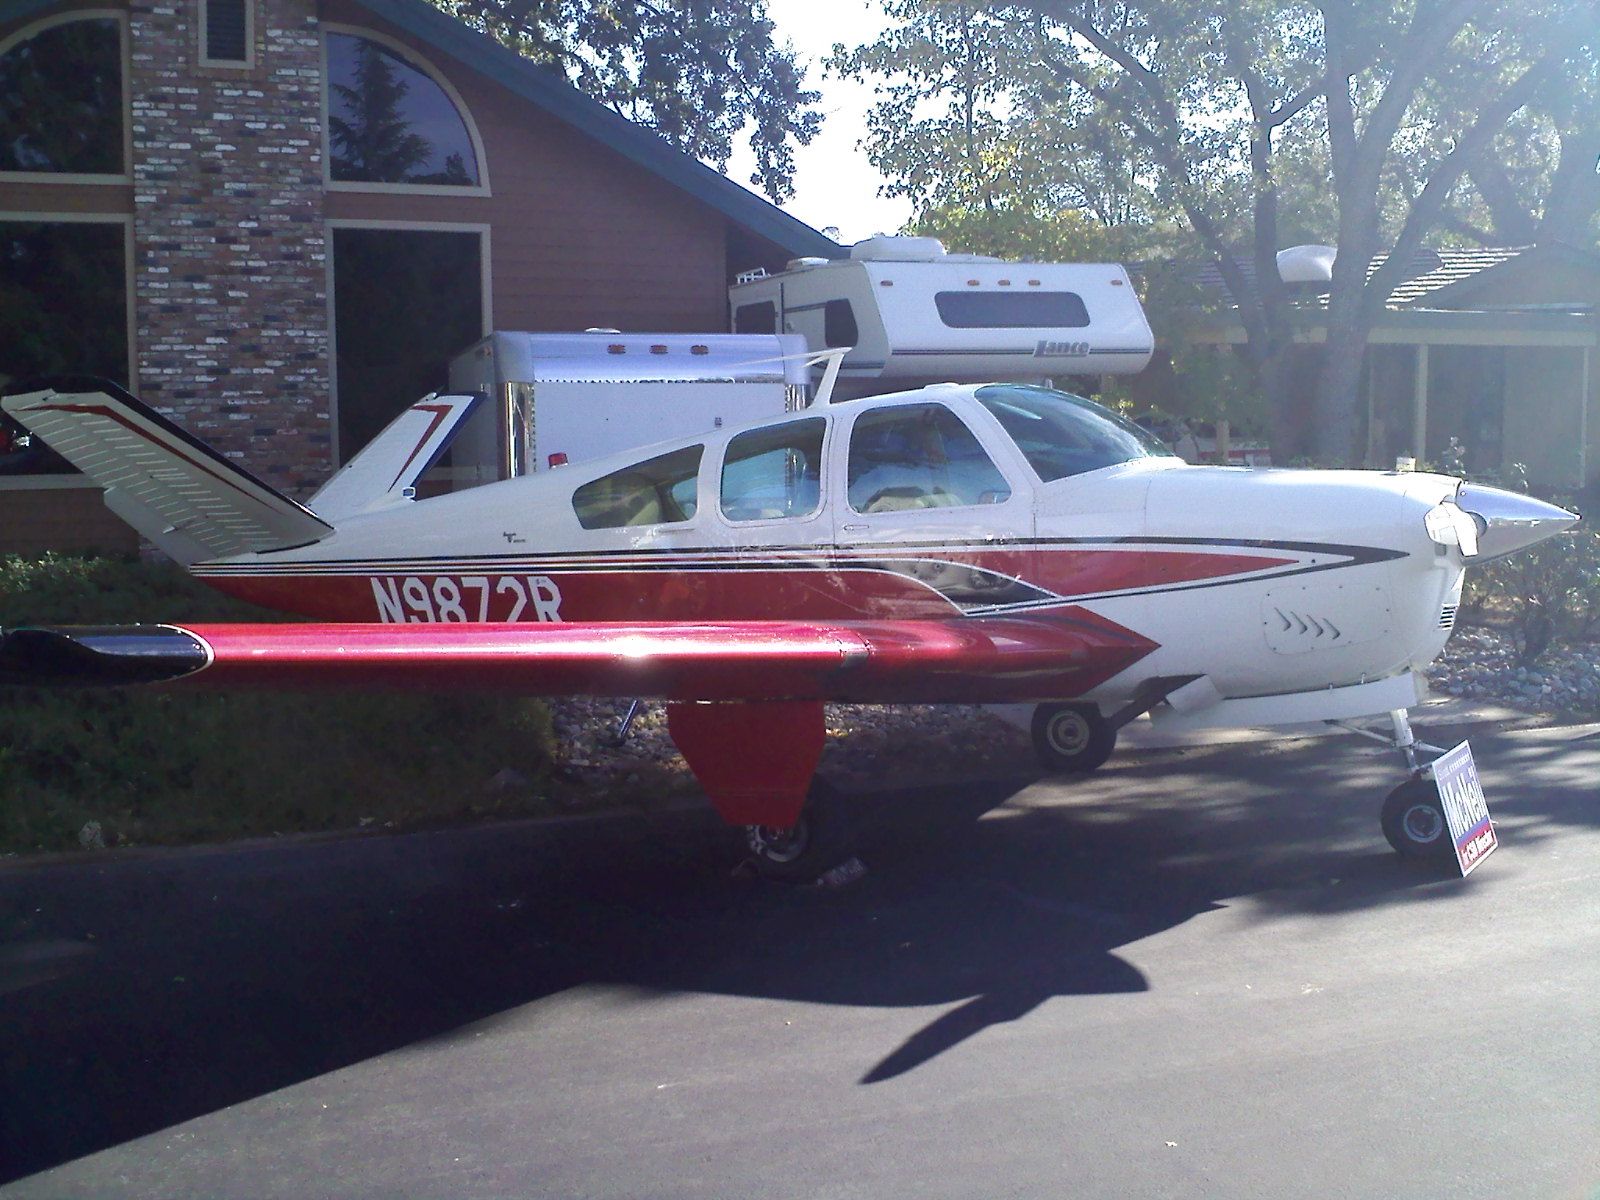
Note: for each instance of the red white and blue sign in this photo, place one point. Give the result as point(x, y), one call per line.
point(1466, 811)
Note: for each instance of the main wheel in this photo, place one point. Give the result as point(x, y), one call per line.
point(816, 842)
point(1413, 821)
point(1072, 737)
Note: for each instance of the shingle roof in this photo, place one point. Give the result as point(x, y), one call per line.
point(1428, 272)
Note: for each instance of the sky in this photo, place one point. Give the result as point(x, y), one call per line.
point(834, 182)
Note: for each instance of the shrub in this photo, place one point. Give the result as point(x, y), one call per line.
point(156, 766)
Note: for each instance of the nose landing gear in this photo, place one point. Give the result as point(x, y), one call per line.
point(1413, 817)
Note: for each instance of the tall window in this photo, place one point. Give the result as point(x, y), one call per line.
point(61, 100)
point(391, 122)
point(63, 310)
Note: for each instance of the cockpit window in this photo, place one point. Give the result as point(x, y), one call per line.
point(1062, 434)
point(658, 491)
point(919, 456)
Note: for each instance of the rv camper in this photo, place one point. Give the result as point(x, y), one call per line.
point(560, 398)
point(916, 314)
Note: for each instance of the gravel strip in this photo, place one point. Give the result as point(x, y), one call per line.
point(1480, 664)
point(868, 742)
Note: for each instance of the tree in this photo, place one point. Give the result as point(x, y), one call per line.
point(977, 131)
point(1263, 123)
point(1204, 86)
point(696, 71)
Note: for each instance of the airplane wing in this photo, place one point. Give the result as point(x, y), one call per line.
point(957, 660)
point(754, 753)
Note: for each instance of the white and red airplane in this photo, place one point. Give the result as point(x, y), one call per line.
point(994, 543)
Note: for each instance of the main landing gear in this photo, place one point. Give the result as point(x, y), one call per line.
point(1412, 818)
point(1072, 737)
point(815, 843)
point(1076, 736)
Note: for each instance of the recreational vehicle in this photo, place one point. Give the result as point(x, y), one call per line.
point(911, 312)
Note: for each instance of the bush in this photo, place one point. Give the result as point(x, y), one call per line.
point(1546, 593)
point(157, 766)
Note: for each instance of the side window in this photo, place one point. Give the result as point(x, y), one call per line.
point(839, 324)
point(659, 491)
point(774, 473)
point(919, 456)
point(760, 317)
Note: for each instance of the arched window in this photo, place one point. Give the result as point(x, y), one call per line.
point(391, 122)
point(61, 98)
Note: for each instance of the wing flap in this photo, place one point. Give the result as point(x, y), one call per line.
point(961, 660)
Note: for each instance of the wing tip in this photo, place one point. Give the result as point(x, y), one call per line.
point(98, 656)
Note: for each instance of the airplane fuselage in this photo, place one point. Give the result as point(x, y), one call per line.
point(1266, 582)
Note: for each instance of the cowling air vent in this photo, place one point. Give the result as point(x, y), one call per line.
point(1447, 617)
point(1298, 620)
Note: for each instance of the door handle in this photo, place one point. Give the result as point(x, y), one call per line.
point(855, 528)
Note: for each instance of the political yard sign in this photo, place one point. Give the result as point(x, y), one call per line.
point(1465, 809)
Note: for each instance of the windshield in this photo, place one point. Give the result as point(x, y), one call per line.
point(1063, 435)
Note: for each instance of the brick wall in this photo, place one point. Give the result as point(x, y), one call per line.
point(229, 252)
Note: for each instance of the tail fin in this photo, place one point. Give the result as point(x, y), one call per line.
point(387, 467)
point(174, 489)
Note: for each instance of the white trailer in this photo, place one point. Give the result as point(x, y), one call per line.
point(559, 398)
point(914, 313)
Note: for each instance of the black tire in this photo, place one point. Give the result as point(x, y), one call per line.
point(1072, 737)
point(1413, 822)
point(818, 841)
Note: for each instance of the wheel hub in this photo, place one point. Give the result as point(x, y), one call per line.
point(1423, 823)
point(777, 845)
point(1068, 733)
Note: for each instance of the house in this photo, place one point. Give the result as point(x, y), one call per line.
point(276, 220)
point(1493, 347)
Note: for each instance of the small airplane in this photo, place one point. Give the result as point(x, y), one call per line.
point(989, 543)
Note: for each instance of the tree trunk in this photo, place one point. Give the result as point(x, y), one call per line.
point(1333, 437)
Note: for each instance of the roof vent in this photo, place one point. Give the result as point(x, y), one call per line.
point(884, 248)
point(1306, 264)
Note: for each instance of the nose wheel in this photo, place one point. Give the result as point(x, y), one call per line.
point(1413, 821)
point(1413, 817)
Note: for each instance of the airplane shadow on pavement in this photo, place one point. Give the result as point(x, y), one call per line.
point(139, 990)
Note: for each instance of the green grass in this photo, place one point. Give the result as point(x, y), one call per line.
point(164, 767)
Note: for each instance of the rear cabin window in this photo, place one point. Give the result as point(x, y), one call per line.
point(756, 318)
point(919, 456)
point(1011, 310)
point(775, 473)
point(658, 491)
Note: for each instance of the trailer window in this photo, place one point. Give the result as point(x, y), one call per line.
point(1061, 434)
point(658, 491)
point(839, 324)
point(919, 456)
point(773, 473)
point(756, 318)
point(1011, 310)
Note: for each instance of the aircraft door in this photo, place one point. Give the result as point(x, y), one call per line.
point(926, 519)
